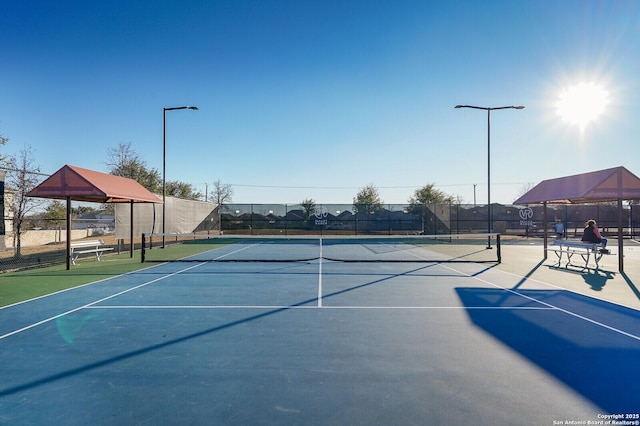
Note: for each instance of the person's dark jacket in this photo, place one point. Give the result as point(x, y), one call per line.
point(589, 236)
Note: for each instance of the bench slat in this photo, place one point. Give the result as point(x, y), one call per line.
point(98, 249)
point(585, 250)
point(93, 250)
point(87, 243)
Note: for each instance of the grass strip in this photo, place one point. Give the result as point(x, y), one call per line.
point(28, 284)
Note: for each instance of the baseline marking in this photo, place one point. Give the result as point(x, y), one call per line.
point(283, 307)
point(88, 305)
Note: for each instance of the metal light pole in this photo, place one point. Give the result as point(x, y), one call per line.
point(489, 211)
point(164, 163)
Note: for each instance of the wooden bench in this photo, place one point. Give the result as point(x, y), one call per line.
point(585, 250)
point(89, 246)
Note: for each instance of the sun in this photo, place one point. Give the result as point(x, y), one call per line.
point(582, 103)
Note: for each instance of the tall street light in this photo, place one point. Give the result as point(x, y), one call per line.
point(164, 163)
point(489, 109)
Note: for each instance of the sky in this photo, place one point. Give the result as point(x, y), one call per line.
point(318, 99)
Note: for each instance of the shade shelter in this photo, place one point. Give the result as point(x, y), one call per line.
point(615, 184)
point(78, 184)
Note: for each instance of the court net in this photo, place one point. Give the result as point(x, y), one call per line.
point(307, 248)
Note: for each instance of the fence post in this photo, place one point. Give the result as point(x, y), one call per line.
point(142, 249)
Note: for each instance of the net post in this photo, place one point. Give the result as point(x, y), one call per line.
point(498, 251)
point(142, 249)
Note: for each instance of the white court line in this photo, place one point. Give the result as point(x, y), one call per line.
point(78, 286)
point(546, 305)
point(233, 252)
point(566, 289)
point(320, 276)
point(282, 307)
point(89, 305)
point(573, 314)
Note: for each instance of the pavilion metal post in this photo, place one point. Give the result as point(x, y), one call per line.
point(132, 245)
point(545, 216)
point(620, 238)
point(620, 230)
point(68, 233)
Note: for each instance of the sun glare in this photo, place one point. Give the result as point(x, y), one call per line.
point(581, 104)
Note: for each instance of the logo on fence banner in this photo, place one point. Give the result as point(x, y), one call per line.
point(525, 216)
point(321, 214)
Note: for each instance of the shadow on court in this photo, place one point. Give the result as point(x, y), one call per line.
point(631, 285)
point(131, 354)
point(598, 279)
point(595, 278)
point(590, 345)
point(219, 363)
point(67, 327)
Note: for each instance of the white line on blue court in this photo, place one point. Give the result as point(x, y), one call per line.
point(320, 276)
point(88, 305)
point(573, 314)
point(74, 288)
point(466, 308)
point(563, 288)
point(235, 251)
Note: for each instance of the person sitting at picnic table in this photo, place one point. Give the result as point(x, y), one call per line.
point(592, 235)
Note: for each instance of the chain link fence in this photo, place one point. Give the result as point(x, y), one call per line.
point(428, 219)
point(43, 242)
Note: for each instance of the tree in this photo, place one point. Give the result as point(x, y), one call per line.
point(124, 161)
point(526, 187)
point(184, 190)
point(82, 210)
point(367, 200)
point(55, 213)
point(3, 159)
point(428, 194)
point(222, 192)
point(424, 196)
point(309, 207)
point(23, 179)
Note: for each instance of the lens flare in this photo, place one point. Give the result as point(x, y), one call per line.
point(581, 104)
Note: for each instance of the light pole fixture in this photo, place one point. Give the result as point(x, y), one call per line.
point(164, 163)
point(489, 211)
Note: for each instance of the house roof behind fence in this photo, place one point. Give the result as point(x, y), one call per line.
point(87, 185)
point(599, 186)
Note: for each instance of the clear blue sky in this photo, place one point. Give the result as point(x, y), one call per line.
point(317, 99)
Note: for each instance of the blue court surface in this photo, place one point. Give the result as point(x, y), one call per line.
point(318, 342)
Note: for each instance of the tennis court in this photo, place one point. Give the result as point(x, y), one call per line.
point(318, 342)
